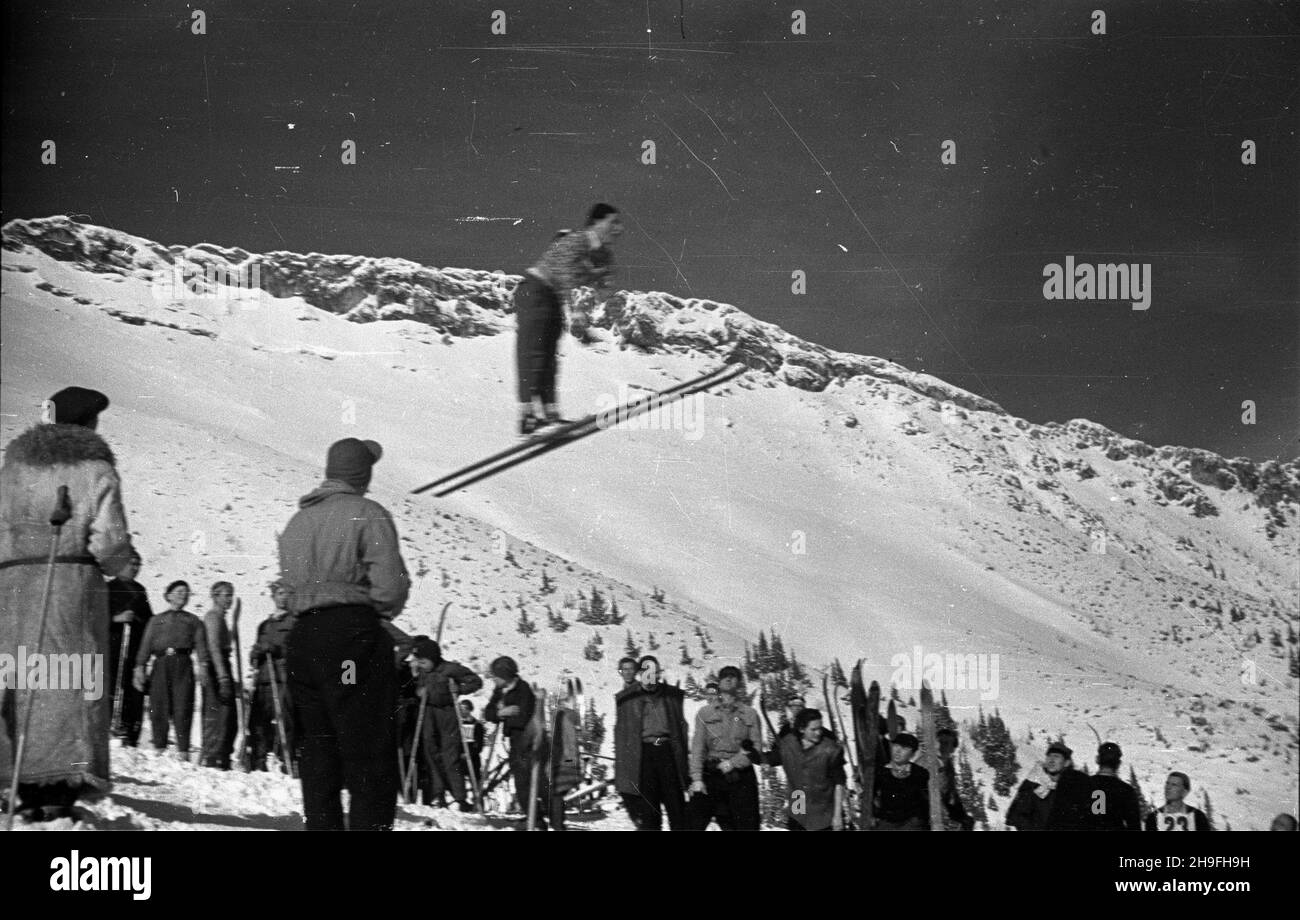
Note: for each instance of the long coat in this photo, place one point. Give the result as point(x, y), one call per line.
point(68, 736)
point(627, 736)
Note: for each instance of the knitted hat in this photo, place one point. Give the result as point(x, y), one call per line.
point(424, 647)
point(77, 406)
point(906, 740)
point(1058, 747)
point(350, 461)
point(505, 668)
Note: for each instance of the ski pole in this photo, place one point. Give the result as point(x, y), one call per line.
point(412, 777)
point(58, 517)
point(121, 678)
point(286, 754)
point(464, 744)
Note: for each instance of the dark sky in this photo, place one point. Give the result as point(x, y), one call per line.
point(774, 151)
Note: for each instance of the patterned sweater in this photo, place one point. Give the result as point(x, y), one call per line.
point(572, 260)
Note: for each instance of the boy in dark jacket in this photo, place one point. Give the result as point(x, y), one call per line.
point(1032, 806)
point(1111, 804)
point(178, 640)
point(128, 603)
point(513, 704)
point(267, 660)
point(903, 789)
point(440, 734)
point(474, 734)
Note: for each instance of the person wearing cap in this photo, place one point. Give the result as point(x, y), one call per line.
point(129, 609)
point(573, 259)
point(342, 565)
point(66, 754)
point(1103, 802)
point(726, 742)
point(1176, 814)
point(267, 653)
point(438, 684)
point(1031, 808)
point(902, 790)
point(178, 640)
point(513, 705)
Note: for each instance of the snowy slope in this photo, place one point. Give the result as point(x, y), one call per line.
point(858, 508)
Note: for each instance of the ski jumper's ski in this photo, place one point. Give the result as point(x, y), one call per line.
point(930, 741)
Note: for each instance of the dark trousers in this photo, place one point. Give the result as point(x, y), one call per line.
point(539, 321)
point(661, 791)
point(220, 724)
point(263, 734)
point(440, 742)
point(730, 799)
point(521, 768)
point(171, 699)
point(131, 712)
point(344, 691)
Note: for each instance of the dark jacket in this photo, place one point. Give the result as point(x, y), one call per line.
point(434, 683)
point(520, 695)
point(1072, 802)
point(124, 596)
point(627, 735)
point(952, 803)
point(812, 774)
point(1032, 806)
point(898, 800)
point(270, 644)
point(340, 549)
point(1113, 805)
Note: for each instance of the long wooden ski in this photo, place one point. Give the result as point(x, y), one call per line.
point(866, 719)
point(534, 773)
point(574, 431)
point(930, 741)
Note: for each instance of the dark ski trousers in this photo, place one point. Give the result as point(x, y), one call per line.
point(263, 736)
point(171, 699)
point(220, 724)
point(344, 690)
point(132, 706)
point(521, 768)
point(732, 800)
point(442, 755)
point(661, 791)
point(539, 321)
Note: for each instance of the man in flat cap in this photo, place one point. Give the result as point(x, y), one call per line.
point(66, 748)
point(342, 566)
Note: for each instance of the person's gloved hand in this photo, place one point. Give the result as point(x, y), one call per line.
point(225, 689)
point(137, 679)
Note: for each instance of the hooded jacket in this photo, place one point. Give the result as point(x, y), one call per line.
point(341, 548)
point(68, 738)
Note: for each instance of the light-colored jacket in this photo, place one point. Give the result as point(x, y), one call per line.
point(341, 548)
point(720, 730)
point(68, 737)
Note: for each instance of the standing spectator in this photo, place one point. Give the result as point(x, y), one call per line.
point(178, 640)
point(902, 788)
point(475, 734)
point(1176, 814)
point(343, 568)
point(727, 740)
point(513, 704)
point(814, 773)
point(650, 750)
point(267, 660)
point(66, 753)
point(128, 604)
point(1030, 809)
point(627, 671)
point(440, 734)
point(1112, 803)
point(220, 724)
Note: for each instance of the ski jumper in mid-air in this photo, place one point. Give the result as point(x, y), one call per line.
point(574, 259)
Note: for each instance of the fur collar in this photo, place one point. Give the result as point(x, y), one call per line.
point(52, 445)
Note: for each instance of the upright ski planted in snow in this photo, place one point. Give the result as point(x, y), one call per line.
point(866, 722)
point(930, 741)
